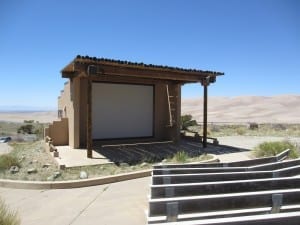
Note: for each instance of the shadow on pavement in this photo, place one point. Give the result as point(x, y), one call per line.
point(137, 153)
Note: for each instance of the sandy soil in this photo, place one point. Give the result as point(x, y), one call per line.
point(275, 109)
point(42, 117)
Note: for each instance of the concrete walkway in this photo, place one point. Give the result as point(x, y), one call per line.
point(118, 203)
point(233, 157)
point(70, 157)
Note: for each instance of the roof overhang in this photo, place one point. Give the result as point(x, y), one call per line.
point(91, 66)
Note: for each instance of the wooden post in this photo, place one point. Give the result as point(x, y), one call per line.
point(89, 145)
point(205, 83)
point(205, 117)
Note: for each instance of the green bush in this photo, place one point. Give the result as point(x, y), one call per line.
point(28, 121)
point(267, 149)
point(187, 121)
point(7, 216)
point(26, 129)
point(8, 160)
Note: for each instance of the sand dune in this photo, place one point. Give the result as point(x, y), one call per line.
point(275, 109)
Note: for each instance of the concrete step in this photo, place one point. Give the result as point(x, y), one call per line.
point(188, 165)
point(224, 214)
point(275, 165)
point(197, 170)
point(207, 188)
point(209, 177)
point(219, 202)
point(245, 163)
point(289, 218)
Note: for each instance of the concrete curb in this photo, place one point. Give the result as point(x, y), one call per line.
point(73, 183)
point(215, 159)
point(19, 184)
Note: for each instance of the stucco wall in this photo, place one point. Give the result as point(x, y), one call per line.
point(161, 111)
point(73, 102)
point(58, 131)
point(66, 105)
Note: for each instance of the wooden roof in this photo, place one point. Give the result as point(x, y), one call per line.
point(85, 65)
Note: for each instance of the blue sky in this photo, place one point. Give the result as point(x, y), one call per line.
point(256, 43)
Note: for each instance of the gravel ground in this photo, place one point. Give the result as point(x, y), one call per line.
point(31, 155)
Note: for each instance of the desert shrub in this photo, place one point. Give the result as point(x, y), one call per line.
point(187, 121)
point(180, 157)
point(266, 149)
point(253, 126)
point(8, 160)
point(279, 126)
point(39, 130)
point(28, 121)
point(8, 216)
point(215, 128)
point(240, 131)
point(26, 129)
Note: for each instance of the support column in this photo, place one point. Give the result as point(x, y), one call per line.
point(205, 116)
point(205, 84)
point(89, 138)
point(178, 112)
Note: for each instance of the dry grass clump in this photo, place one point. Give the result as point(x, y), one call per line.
point(180, 157)
point(8, 216)
point(267, 149)
point(8, 160)
point(27, 155)
point(183, 157)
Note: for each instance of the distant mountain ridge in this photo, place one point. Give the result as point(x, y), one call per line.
point(262, 109)
point(22, 108)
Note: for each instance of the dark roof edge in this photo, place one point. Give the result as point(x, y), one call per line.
point(121, 62)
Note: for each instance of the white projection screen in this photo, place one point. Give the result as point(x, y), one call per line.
point(122, 111)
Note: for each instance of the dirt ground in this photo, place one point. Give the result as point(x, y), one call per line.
point(5, 148)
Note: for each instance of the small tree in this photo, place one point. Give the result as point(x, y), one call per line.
point(187, 121)
point(26, 129)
